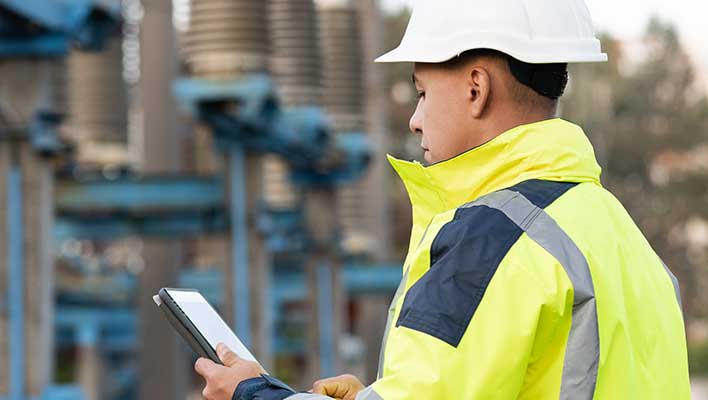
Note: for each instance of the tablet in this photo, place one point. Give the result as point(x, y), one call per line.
point(198, 323)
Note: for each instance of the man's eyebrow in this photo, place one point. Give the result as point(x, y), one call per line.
point(413, 78)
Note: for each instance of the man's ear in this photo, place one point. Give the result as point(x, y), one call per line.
point(479, 86)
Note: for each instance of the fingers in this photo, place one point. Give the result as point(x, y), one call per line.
point(205, 367)
point(321, 387)
point(340, 387)
point(318, 388)
point(333, 387)
point(228, 357)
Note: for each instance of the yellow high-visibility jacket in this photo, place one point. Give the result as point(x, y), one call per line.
point(526, 279)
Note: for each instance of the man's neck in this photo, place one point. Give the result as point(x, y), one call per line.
point(513, 118)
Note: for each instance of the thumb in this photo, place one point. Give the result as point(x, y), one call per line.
point(228, 357)
point(205, 367)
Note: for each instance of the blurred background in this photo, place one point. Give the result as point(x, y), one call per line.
point(238, 147)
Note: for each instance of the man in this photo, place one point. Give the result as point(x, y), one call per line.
point(525, 278)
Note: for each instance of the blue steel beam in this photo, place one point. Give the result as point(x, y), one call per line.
point(139, 195)
point(254, 95)
point(168, 225)
point(64, 392)
point(114, 330)
point(357, 280)
point(361, 279)
point(55, 15)
point(239, 244)
point(325, 318)
point(167, 206)
point(45, 28)
point(246, 113)
point(75, 318)
point(16, 283)
point(50, 45)
point(66, 16)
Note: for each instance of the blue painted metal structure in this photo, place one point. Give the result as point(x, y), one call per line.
point(66, 16)
point(64, 392)
point(183, 206)
point(245, 116)
point(170, 226)
point(140, 195)
point(43, 134)
point(114, 328)
point(325, 312)
point(16, 283)
point(116, 324)
point(284, 230)
point(163, 206)
point(146, 206)
point(43, 29)
point(48, 28)
point(239, 244)
point(60, 392)
point(245, 113)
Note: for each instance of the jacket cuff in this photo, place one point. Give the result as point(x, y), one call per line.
point(264, 387)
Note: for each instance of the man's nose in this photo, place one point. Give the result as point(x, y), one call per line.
point(416, 122)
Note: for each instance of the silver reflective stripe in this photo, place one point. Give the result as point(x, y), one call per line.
point(366, 394)
point(675, 282)
point(583, 349)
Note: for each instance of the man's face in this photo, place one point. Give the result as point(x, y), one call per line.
point(442, 116)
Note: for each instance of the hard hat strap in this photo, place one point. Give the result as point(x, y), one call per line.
point(547, 80)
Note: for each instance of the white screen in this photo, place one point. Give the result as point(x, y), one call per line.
point(208, 322)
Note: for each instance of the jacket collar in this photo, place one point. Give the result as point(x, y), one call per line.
point(553, 149)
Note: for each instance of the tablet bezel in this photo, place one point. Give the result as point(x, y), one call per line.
point(185, 327)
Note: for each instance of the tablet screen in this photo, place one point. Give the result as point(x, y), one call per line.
point(208, 322)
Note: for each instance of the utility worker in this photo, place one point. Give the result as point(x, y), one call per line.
point(525, 278)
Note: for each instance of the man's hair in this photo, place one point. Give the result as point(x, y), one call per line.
point(522, 93)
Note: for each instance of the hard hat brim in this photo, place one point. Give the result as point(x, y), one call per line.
point(529, 51)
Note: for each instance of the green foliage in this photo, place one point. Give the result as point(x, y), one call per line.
point(698, 359)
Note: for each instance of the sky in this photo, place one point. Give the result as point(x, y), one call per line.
point(626, 20)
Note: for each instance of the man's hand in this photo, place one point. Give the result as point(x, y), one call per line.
point(344, 387)
point(222, 380)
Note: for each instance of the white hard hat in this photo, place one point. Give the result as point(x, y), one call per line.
point(533, 31)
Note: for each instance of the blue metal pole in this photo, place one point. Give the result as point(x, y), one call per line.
point(239, 245)
point(16, 283)
point(325, 300)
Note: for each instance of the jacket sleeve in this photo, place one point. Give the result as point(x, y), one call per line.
point(514, 339)
point(266, 387)
point(269, 388)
